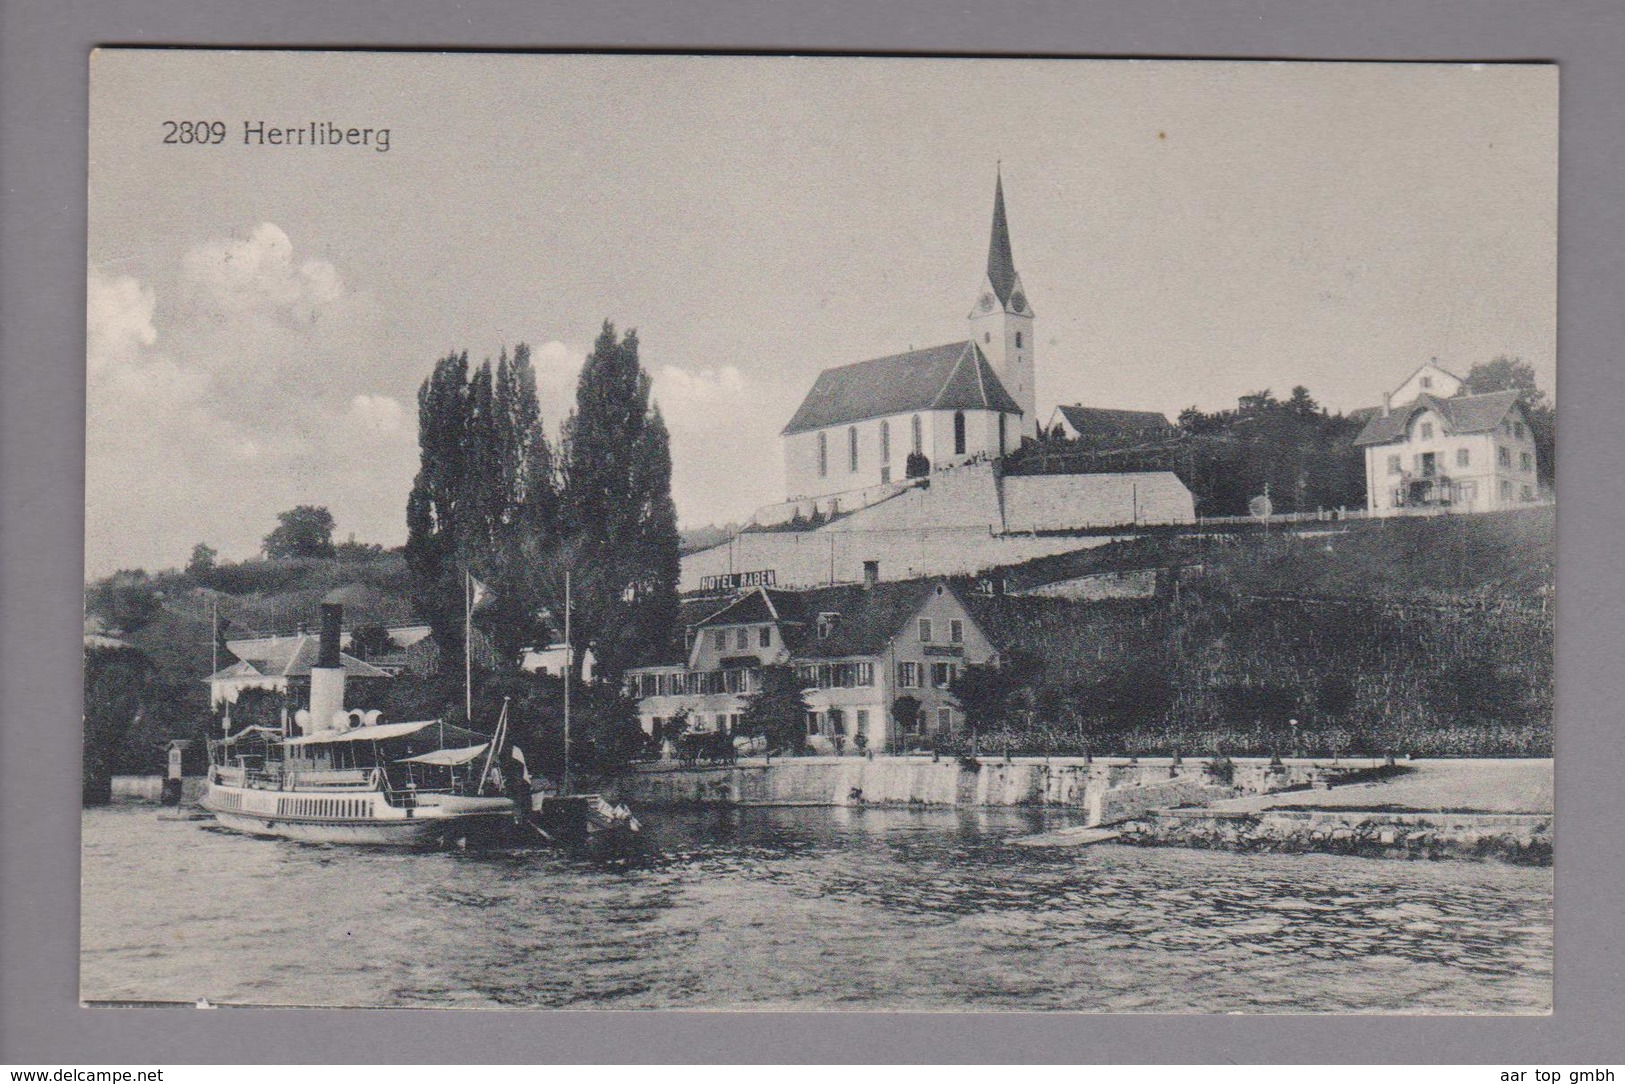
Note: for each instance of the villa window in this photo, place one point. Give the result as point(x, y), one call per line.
point(959, 432)
point(741, 638)
point(945, 719)
point(1503, 456)
point(823, 454)
point(764, 636)
point(1427, 430)
point(1528, 493)
point(863, 723)
point(1463, 457)
point(812, 724)
point(1517, 429)
point(865, 673)
point(852, 448)
point(721, 639)
point(919, 438)
point(908, 675)
point(1506, 490)
point(942, 674)
point(1393, 464)
point(925, 630)
point(1526, 461)
point(956, 631)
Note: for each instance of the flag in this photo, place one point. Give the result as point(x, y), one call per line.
point(519, 755)
point(479, 594)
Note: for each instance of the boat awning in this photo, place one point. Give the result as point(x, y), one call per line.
point(448, 757)
point(384, 732)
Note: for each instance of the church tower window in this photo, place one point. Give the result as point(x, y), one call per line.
point(959, 432)
point(1018, 340)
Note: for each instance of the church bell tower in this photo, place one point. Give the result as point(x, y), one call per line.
point(1002, 320)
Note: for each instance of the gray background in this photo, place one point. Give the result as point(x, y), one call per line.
point(43, 51)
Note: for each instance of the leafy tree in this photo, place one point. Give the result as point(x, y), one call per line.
point(203, 559)
point(370, 641)
point(905, 712)
point(116, 680)
point(779, 712)
point(304, 531)
point(254, 707)
point(127, 600)
point(623, 547)
point(984, 692)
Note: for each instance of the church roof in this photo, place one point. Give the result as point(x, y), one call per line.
point(955, 376)
point(1461, 414)
point(1001, 264)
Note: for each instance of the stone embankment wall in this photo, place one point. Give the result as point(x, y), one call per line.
point(150, 788)
point(1110, 790)
point(1522, 838)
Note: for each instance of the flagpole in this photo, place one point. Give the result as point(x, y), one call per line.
point(569, 677)
point(468, 651)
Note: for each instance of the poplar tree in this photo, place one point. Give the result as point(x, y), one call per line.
point(623, 547)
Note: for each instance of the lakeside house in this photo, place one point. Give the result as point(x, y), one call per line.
point(857, 648)
point(1431, 446)
point(280, 664)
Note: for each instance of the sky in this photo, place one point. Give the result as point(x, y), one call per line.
point(260, 317)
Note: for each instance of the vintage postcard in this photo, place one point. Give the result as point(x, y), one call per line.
point(766, 532)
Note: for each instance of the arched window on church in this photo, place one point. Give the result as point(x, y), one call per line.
point(959, 432)
point(1001, 434)
point(852, 448)
point(919, 439)
point(823, 454)
point(885, 442)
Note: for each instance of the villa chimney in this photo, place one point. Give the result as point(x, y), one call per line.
point(327, 676)
point(1387, 403)
point(871, 574)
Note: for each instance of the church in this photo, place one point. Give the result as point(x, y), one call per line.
point(861, 425)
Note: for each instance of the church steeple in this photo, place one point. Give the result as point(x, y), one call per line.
point(1002, 320)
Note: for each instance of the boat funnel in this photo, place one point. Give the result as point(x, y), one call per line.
point(327, 676)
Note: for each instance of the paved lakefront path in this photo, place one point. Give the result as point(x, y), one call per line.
point(1486, 786)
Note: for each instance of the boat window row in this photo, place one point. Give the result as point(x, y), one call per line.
point(329, 808)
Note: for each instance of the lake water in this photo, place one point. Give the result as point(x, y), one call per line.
point(804, 908)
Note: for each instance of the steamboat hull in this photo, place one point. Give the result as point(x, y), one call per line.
point(357, 818)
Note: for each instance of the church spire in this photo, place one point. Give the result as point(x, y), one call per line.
point(1001, 265)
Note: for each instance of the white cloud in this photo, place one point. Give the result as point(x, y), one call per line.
point(118, 320)
point(259, 274)
point(375, 415)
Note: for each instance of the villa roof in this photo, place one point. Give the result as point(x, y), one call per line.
point(288, 656)
point(954, 376)
point(1460, 414)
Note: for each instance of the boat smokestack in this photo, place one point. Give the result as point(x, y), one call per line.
point(327, 676)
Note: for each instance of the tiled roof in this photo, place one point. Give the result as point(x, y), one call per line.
point(293, 656)
point(1460, 414)
point(1100, 421)
point(955, 376)
point(867, 618)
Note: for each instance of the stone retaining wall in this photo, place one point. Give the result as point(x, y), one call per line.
point(1522, 838)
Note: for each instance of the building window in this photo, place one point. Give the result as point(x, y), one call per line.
point(1526, 461)
point(885, 442)
point(812, 724)
point(764, 636)
point(1427, 382)
point(1018, 340)
point(1463, 457)
point(866, 673)
point(956, 631)
point(925, 630)
point(919, 436)
point(1001, 434)
point(863, 723)
point(741, 638)
point(1506, 490)
point(852, 448)
point(1528, 493)
point(959, 432)
point(945, 719)
point(1398, 500)
point(823, 454)
point(1393, 464)
point(908, 675)
point(1467, 492)
point(987, 336)
point(1503, 456)
point(1517, 430)
point(721, 639)
point(1427, 430)
point(942, 674)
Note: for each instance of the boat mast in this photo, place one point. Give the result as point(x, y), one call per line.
point(569, 678)
point(468, 652)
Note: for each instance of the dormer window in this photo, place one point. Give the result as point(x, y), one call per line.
point(826, 624)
